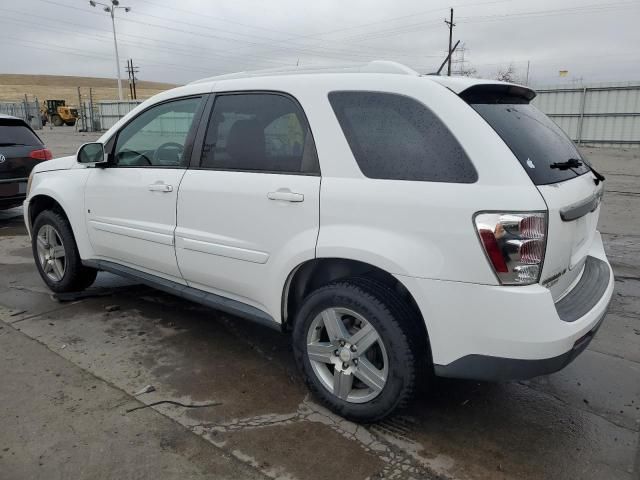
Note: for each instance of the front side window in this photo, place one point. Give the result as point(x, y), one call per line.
point(157, 137)
point(395, 137)
point(258, 132)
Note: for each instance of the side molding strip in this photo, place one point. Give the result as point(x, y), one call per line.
point(211, 300)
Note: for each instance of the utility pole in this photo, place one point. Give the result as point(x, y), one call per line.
point(129, 75)
point(111, 10)
point(132, 70)
point(81, 111)
point(451, 25)
point(528, 65)
point(448, 57)
point(115, 43)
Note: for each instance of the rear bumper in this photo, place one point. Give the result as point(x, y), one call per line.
point(495, 369)
point(12, 192)
point(489, 332)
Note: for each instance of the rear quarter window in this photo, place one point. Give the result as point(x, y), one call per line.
point(15, 132)
point(396, 137)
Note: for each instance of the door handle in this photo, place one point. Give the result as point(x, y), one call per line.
point(160, 187)
point(286, 195)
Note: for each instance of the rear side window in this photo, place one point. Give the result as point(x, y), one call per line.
point(395, 137)
point(259, 132)
point(15, 132)
point(533, 138)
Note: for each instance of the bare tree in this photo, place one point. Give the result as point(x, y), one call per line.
point(467, 72)
point(508, 74)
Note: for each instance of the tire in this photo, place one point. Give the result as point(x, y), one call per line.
point(370, 394)
point(56, 254)
point(418, 337)
point(71, 123)
point(57, 121)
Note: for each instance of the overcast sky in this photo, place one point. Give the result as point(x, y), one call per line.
point(179, 41)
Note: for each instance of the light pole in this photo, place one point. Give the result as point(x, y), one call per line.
point(111, 9)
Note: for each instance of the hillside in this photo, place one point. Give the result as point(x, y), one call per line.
point(13, 87)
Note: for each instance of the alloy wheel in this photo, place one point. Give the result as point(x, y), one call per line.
point(51, 254)
point(347, 355)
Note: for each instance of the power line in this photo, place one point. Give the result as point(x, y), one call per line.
point(341, 55)
point(419, 26)
point(140, 37)
point(326, 53)
point(76, 52)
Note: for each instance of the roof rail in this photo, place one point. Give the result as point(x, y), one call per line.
point(376, 66)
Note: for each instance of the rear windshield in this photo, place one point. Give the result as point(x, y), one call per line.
point(394, 137)
point(15, 132)
point(535, 140)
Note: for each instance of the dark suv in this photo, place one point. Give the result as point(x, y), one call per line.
point(20, 150)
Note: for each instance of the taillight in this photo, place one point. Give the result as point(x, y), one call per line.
point(514, 243)
point(42, 154)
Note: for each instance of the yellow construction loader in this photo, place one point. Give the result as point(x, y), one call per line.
point(56, 112)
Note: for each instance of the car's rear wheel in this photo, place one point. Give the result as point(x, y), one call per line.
point(56, 254)
point(352, 347)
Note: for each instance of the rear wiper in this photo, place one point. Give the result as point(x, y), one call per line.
point(571, 163)
point(575, 163)
point(11, 144)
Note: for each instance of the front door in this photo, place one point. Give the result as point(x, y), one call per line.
point(131, 204)
point(250, 213)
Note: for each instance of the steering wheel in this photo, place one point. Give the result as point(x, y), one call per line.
point(133, 162)
point(158, 158)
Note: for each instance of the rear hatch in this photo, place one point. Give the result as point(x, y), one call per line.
point(17, 142)
point(563, 177)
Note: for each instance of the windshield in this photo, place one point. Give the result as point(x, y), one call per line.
point(535, 140)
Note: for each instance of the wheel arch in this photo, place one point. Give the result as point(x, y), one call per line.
point(314, 273)
point(42, 201)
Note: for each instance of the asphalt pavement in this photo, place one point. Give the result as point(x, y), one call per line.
point(70, 372)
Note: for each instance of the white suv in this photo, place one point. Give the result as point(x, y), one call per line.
point(398, 224)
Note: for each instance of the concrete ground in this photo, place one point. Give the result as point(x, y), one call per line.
point(70, 370)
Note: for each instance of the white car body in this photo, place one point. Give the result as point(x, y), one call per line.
point(217, 232)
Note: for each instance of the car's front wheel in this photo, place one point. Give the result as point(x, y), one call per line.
point(352, 346)
point(56, 254)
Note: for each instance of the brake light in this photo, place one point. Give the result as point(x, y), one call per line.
point(514, 244)
point(42, 154)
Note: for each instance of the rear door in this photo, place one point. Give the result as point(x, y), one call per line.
point(20, 151)
point(248, 212)
point(572, 193)
point(131, 204)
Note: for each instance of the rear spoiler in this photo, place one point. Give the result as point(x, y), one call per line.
point(497, 93)
point(474, 90)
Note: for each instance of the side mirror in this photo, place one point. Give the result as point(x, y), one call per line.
point(92, 153)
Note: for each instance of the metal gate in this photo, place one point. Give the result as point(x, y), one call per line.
point(28, 111)
point(598, 114)
point(110, 112)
